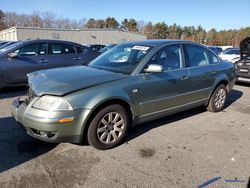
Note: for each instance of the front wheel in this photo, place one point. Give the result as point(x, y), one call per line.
point(109, 127)
point(218, 99)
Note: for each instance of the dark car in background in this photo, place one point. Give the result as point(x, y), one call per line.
point(7, 46)
point(96, 47)
point(130, 84)
point(3, 43)
point(24, 57)
point(108, 47)
point(243, 65)
point(216, 49)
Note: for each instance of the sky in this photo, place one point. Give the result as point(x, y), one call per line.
point(218, 14)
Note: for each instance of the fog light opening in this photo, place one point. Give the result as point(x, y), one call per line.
point(44, 134)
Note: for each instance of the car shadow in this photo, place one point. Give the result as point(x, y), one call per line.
point(141, 129)
point(16, 147)
point(233, 96)
point(145, 127)
point(11, 92)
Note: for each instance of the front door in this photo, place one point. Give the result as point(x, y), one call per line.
point(29, 58)
point(164, 91)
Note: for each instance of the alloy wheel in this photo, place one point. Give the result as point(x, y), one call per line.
point(220, 98)
point(110, 128)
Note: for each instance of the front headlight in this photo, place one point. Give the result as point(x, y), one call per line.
point(52, 103)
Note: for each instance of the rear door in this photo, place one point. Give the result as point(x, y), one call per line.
point(62, 55)
point(202, 71)
point(85, 55)
point(29, 58)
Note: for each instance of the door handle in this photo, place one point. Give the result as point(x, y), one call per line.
point(184, 78)
point(77, 58)
point(43, 61)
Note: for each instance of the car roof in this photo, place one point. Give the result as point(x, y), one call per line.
point(49, 40)
point(160, 42)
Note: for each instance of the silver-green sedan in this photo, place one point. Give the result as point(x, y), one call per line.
point(130, 84)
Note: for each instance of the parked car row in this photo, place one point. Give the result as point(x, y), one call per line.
point(3, 43)
point(96, 47)
point(240, 57)
point(216, 49)
point(7, 46)
point(231, 54)
point(23, 57)
point(243, 65)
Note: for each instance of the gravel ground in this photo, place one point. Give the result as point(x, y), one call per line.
point(183, 150)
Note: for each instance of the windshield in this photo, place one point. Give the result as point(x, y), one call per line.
point(122, 58)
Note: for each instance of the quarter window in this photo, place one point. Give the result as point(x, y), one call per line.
point(212, 58)
point(81, 50)
point(58, 48)
point(197, 56)
point(170, 57)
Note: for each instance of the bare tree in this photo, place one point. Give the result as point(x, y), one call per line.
point(2, 17)
point(82, 23)
point(48, 19)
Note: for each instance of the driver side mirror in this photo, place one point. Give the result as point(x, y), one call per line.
point(13, 55)
point(154, 68)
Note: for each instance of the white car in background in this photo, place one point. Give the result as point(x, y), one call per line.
point(231, 54)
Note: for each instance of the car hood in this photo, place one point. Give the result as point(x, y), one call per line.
point(62, 81)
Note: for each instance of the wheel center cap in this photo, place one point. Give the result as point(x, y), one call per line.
point(110, 127)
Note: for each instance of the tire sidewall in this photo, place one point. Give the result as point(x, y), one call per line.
point(92, 130)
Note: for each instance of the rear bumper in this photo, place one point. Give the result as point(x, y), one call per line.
point(44, 125)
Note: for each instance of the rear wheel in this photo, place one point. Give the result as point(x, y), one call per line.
point(109, 127)
point(218, 99)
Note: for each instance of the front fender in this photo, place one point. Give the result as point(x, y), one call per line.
point(91, 98)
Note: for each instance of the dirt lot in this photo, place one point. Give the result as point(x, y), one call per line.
point(184, 150)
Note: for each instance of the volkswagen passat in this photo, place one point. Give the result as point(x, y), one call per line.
point(130, 84)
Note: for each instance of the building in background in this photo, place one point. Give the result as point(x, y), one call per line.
point(82, 36)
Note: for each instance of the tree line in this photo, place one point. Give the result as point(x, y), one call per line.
point(160, 30)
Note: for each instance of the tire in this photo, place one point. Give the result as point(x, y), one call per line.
point(108, 128)
point(218, 99)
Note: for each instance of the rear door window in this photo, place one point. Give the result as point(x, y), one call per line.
point(60, 48)
point(196, 55)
